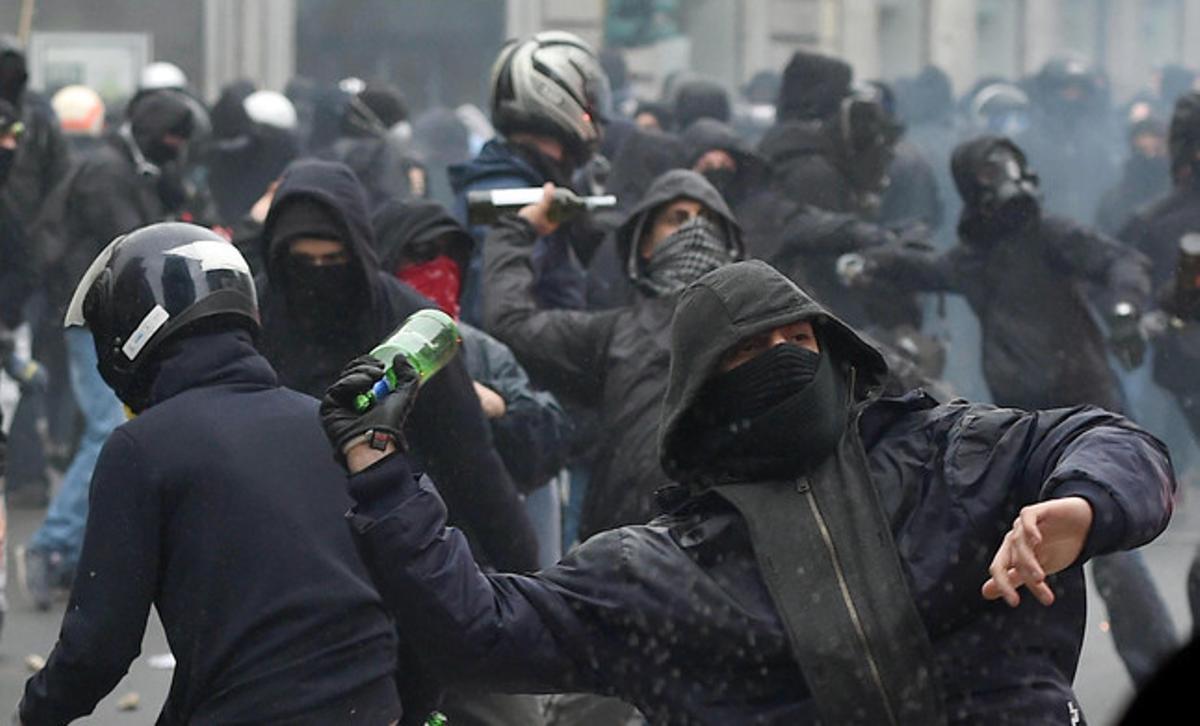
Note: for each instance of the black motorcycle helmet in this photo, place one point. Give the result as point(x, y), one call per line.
point(153, 285)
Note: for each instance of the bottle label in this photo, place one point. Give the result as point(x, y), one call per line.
point(516, 197)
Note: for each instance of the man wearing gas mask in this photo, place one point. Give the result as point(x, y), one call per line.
point(118, 188)
point(820, 557)
point(616, 360)
point(1024, 273)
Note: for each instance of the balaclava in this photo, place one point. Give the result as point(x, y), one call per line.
point(319, 297)
point(778, 414)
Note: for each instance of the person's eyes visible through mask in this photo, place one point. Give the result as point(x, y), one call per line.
point(301, 259)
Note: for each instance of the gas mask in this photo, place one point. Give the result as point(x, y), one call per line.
point(1007, 189)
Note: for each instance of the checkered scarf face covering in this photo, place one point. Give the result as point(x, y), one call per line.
point(696, 248)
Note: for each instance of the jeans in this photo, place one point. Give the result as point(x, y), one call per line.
point(545, 511)
point(1142, 629)
point(62, 530)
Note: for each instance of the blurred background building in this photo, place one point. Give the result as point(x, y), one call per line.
point(439, 51)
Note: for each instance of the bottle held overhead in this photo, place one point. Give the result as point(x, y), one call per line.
point(428, 339)
point(486, 206)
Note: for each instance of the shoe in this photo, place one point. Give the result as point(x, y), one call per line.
point(37, 575)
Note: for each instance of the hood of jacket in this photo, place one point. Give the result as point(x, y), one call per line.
point(709, 134)
point(728, 305)
point(401, 227)
point(336, 187)
point(642, 157)
point(676, 184)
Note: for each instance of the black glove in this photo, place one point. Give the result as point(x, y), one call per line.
point(341, 419)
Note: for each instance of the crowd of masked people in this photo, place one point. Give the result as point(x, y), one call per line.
point(1031, 245)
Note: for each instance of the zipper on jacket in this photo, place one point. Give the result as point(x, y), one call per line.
point(844, 588)
point(803, 487)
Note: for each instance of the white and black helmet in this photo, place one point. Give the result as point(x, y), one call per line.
point(551, 84)
point(152, 285)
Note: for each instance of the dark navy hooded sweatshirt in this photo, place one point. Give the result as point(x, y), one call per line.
point(220, 506)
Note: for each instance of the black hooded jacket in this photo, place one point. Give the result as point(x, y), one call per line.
point(677, 616)
point(641, 158)
point(216, 505)
point(447, 420)
point(1042, 346)
point(762, 211)
point(108, 193)
point(615, 361)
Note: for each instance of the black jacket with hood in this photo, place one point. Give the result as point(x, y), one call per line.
point(615, 361)
point(1042, 345)
point(675, 616)
point(446, 422)
point(216, 505)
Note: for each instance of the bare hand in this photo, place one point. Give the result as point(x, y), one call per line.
point(538, 214)
point(259, 211)
point(491, 402)
point(1045, 538)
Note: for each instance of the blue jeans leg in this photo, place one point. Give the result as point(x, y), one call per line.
point(545, 510)
point(62, 530)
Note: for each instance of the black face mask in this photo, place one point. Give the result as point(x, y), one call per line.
point(7, 157)
point(321, 296)
point(161, 153)
point(778, 414)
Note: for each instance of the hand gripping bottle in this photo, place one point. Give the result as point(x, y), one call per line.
point(427, 340)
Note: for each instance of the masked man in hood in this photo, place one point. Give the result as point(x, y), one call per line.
point(324, 299)
point(614, 361)
point(1026, 275)
point(821, 557)
point(113, 191)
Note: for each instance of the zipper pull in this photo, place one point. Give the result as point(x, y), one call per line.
point(802, 485)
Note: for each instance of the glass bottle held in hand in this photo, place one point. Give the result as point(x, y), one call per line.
point(487, 206)
point(428, 339)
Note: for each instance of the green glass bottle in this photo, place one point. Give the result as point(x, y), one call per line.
point(437, 718)
point(428, 339)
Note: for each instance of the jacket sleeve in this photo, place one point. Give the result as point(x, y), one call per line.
point(532, 434)
point(448, 428)
point(109, 204)
point(106, 616)
point(563, 348)
point(511, 633)
point(1121, 270)
point(916, 269)
point(1122, 471)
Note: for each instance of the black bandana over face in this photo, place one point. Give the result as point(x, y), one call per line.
point(687, 254)
point(776, 415)
point(321, 297)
